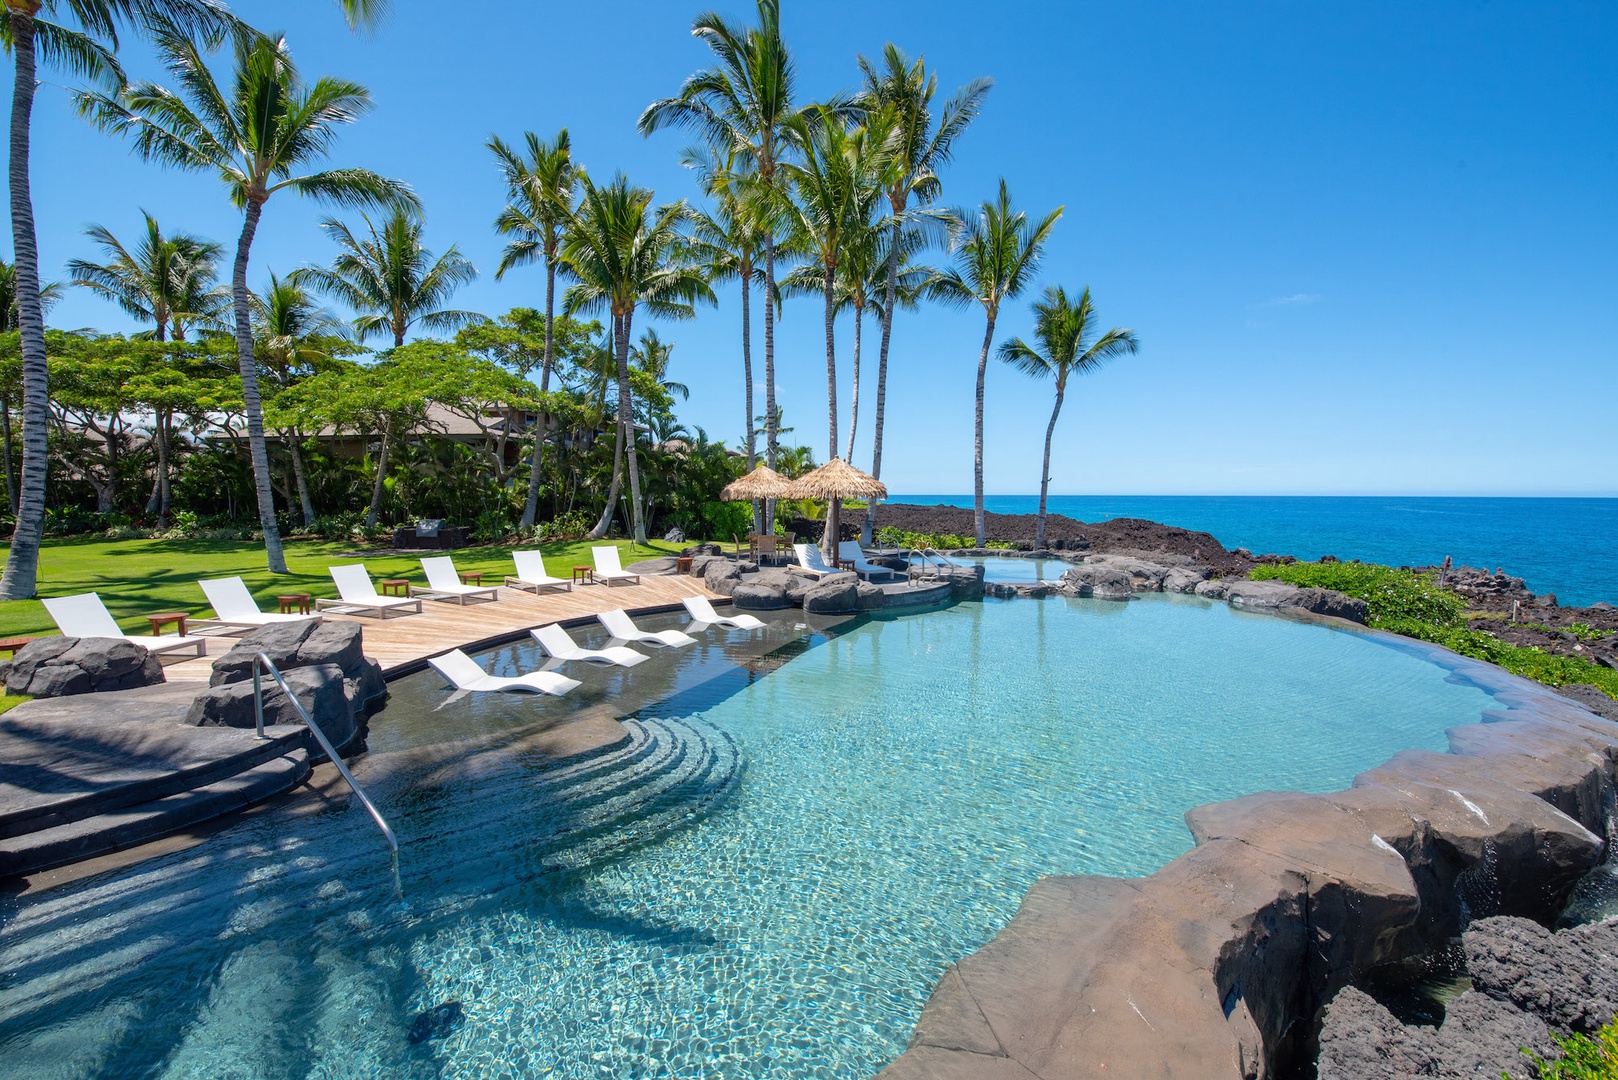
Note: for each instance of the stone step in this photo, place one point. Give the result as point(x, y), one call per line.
point(125, 827)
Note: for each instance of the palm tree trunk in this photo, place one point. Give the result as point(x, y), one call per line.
point(832, 537)
point(747, 377)
point(977, 436)
point(5, 436)
point(769, 370)
point(530, 508)
point(1045, 470)
point(625, 411)
point(22, 562)
point(882, 377)
point(854, 401)
point(604, 522)
point(381, 475)
point(160, 434)
point(305, 503)
point(253, 408)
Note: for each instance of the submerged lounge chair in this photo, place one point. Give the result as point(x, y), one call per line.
point(608, 568)
point(235, 608)
point(703, 616)
point(531, 574)
point(559, 645)
point(465, 673)
point(623, 628)
point(811, 561)
point(359, 595)
point(443, 583)
point(85, 615)
point(850, 551)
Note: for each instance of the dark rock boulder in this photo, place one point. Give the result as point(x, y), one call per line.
point(294, 647)
point(794, 586)
point(721, 576)
point(835, 594)
point(1098, 581)
point(278, 641)
point(1184, 579)
point(1361, 1040)
point(1592, 698)
point(1333, 603)
point(700, 549)
point(320, 689)
point(1569, 979)
point(752, 596)
point(700, 563)
point(868, 597)
point(61, 666)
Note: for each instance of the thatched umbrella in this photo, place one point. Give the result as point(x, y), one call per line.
point(835, 481)
point(762, 483)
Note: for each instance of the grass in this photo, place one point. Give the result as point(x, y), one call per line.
point(140, 577)
point(10, 701)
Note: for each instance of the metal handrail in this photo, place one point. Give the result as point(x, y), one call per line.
point(931, 559)
point(261, 661)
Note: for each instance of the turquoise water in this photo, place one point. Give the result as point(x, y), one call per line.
point(1565, 546)
point(835, 822)
point(999, 568)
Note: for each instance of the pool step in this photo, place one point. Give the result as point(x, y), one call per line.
point(98, 834)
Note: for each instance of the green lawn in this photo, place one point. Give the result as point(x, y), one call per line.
point(139, 577)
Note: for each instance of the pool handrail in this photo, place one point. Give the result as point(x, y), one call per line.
point(261, 661)
point(931, 559)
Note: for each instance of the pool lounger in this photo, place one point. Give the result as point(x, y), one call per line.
point(84, 615)
point(464, 673)
point(623, 629)
point(850, 551)
point(703, 616)
point(531, 575)
point(811, 561)
point(358, 595)
point(235, 609)
point(558, 645)
point(444, 583)
point(608, 569)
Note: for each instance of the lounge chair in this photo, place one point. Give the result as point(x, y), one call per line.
point(235, 608)
point(623, 628)
point(444, 583)
point(703, 616)
point(608, 568)
point(465, 673)
point(531, 574)
point(358, 595)
point(559, 645)
point(85, 615)
point(811, 561)
point(850, 551)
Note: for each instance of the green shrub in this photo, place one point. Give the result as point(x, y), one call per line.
point(1583, 1057)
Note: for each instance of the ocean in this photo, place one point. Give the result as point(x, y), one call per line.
point(1564, 546)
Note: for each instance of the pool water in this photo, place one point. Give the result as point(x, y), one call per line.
point(1014, 570)
point(843, 813)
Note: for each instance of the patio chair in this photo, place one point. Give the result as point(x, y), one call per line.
point(531, 575)
point(623, 629)
point(609, 569)
point(85, 616)
point(811, 561)
point(703, 616)
point(560, 646)
point(444, 583)
point(465, 673)
point(235, 608)
point(358, 595)
point(850, 551)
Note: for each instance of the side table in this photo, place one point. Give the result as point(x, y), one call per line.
point(294, 603)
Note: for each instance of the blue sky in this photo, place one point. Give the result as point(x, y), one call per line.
point(1367, 248)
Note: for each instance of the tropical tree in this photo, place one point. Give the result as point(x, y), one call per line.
point(540, 189)
point(11, 383)
point(166, 281)
point(1066, 342)
point(997, 253)
point(257, 137)
point(898, 96)
point(390, 279)
point(84, 45)
point(624, 256)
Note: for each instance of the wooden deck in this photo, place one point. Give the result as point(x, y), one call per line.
point(402, 642)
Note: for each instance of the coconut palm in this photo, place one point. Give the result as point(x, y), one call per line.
point(652, 355)
point(1066, 342)
point(166, 281)
point(289, 326)
point(81, 37)
point(48, 296)
point(898, 96)
point(624, 256)
point(540, 189)
point(997, 253)
point(256, 137)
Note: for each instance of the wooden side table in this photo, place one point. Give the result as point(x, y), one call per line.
point(12, 644)
point(845, 564)
point(584, 575)
point(396, 586)
point(291, 603)
point(682, 564)
point(471, 577)
point(163, 618)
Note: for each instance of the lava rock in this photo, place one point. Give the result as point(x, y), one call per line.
point(1098, 581)
point(1568, 978)
point(279, 641)
point(1361, 1040)
point(675, 535)
point(751, 596)
point(868, 597)
point(794, 586)
point(62, 666)
point(1184, 579)
point(1333, 603)
point(700, 549)
point(319, 688)
point(835, 594)
point(721, 576)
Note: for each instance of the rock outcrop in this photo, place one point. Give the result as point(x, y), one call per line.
point(834, 594)
point(752, 596)
point(720, 575)
point(1097, 580)
point(59, 666)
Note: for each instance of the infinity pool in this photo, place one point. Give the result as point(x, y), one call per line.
point(1012, 569)
point(838, 814)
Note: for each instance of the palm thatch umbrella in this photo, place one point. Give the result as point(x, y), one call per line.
point(835, 481)
point(762, 483)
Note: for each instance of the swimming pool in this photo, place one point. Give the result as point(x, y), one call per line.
point(840, 814)
point(1014, 570)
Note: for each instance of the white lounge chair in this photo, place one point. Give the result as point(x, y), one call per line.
point(703, 616)
point(444, 583)
point(811, 561)
point(359, 595)
point(531, 574)
point(850, 551)
point(85, 615)
point(235, 609)
point(559, 645)
point(609, 569)
point(465, 673)
point(623, 628)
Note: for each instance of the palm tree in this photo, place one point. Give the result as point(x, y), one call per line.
point(741, 107)
point(625, 256)
point(1067, 343)
point(256, 138)
point(85, 47)
point(899, 95)
point(166, 281)
point(652, 355)
point(48, 296)
point(997, 253)
point(289, 325)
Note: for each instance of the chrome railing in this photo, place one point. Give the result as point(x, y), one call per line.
point(262, 662)
point(930, 560)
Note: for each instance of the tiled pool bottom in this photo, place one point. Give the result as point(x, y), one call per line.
point(904, 783)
